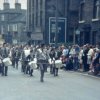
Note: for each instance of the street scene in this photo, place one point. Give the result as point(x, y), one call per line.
point(49, 49)
point(67, 86)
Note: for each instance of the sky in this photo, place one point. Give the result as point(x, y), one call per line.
point(23, 2)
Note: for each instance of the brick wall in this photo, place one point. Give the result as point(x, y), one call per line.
point(88, 18)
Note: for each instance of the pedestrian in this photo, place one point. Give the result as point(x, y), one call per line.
point(85, 58)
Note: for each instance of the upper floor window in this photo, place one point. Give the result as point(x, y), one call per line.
point(2, 17)
point(15, 27)
point(82, 11)
point(96, 9)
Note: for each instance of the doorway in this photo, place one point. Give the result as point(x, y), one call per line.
point(86, 37)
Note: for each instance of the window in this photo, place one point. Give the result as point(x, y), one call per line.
point(82, 11)
point(15, 27)
point(8, 28)
point(2, 17)
point(96, 9)
point(2, 29)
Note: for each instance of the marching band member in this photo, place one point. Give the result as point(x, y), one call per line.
point(41, 60)
point(25, 60)
point(15, 57)
point(57, 61)
point(4, 54)
point(52, 56)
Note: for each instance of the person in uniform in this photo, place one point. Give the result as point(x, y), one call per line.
point(58, 54)
point(4, 54)
point(25, 61)
point(52, 55)
point(41, 60)
point(31, 59)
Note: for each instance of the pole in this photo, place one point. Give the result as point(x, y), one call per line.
point(56, 33)
point(74, 37)
point(68, 17)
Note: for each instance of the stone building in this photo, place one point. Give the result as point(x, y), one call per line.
point(89, 21)
point(12, 22)
point(39, 13)
point(36, 18)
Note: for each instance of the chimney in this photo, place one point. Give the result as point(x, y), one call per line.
point(6, 5)
point(17, 5)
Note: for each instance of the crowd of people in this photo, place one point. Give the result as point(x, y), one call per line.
point(84, 58)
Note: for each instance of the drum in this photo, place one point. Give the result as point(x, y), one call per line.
point(33, 64)
point(50, 61)
point(58, 63)
point(7, 62)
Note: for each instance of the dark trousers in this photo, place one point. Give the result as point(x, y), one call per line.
point(42, 75)
point(55, 71)
point(31, 72)
point(4, 70)
point(15, 63)
point(42, 66)
point(0, 68)
point(96, 69)
point(22, 66)
point(27, 69)
point(51, 69)
point(85, 67)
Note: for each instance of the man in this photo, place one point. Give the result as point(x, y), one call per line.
point(52, 56)
point(26, 59)
point(41, 59)
point(58, 54)
point(85, 58)
point(15, 55)
point(4, 54)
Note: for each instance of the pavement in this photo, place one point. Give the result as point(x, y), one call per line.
point(68, 85)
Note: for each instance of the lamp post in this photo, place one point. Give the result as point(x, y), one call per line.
point(56, 15)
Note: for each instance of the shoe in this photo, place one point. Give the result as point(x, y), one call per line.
point(31, 75)
point(41, 80)
point(56, 74)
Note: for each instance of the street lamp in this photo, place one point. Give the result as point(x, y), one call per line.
point(56, 15)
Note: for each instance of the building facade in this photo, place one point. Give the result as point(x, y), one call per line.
point(12, 22)
point(89, 21)
point(36, 18)
point(39, 13)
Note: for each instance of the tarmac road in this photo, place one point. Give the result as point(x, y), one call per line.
point(67, 86)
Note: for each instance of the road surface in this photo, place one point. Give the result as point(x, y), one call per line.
point(67, 86)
